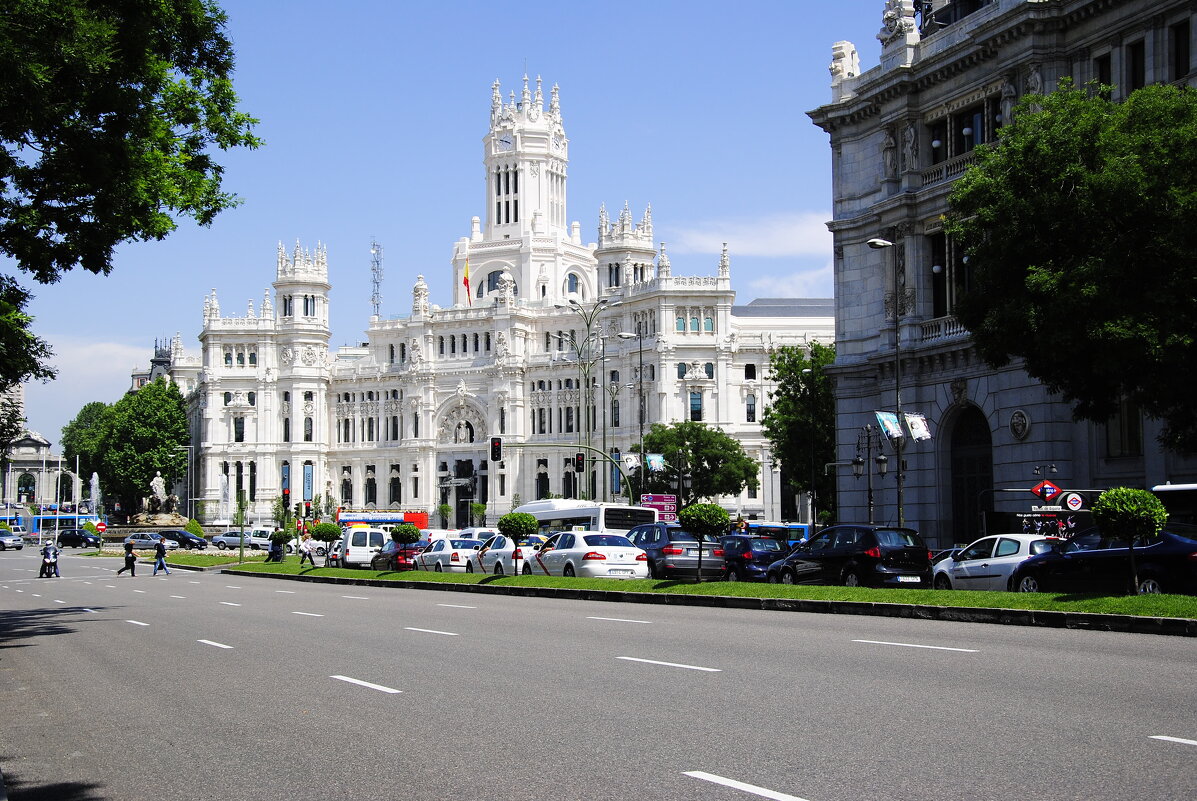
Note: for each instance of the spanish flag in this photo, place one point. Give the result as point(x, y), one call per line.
point(466, 281)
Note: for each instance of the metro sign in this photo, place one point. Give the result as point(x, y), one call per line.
point(1046, 490)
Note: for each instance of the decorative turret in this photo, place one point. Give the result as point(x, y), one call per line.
point(625, 248)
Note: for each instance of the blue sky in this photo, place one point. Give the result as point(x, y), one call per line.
point(373, 115)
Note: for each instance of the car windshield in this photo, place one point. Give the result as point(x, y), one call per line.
point(1041, 546)
point(681, 536)
point(767, 546)
point(606, 541)
point(466, 543)
point(898, 538)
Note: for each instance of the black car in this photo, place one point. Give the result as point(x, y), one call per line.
point(857, 555)
point(1097, 563)
point(185, 539)
point(673, 552)
point(397, 556)
point(748, 557)
point(77, 538)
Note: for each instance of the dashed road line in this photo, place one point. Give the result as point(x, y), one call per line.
point(1180, 740)
point(356, 597)
point(371, 685)
point(307, 614)
point(619, 620)
point(915, 645)
point(458, 606)
point(214, 644)
point(58, 601)
point(229, 603)
point(671, 664)
point(286, 592)
point(94, 612)
point(137, 623)
point(432, 631)
point(140, 591)
point(737, 785)
point(180, 597)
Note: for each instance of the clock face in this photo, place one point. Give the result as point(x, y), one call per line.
point(505, 141)
point(558, 141)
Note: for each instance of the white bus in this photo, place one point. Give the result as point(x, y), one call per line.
point(562, 514)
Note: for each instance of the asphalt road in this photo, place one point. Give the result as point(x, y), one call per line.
point(209, 686)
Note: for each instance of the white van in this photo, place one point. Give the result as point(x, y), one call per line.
point(361, 543)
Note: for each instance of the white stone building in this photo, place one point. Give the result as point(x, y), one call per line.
point(537, 314)
point(900, 133)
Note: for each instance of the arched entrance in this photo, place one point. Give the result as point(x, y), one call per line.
point(971, 460)
point(26, 488)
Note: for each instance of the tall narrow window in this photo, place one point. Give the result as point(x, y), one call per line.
point(307, 429)
point(1136, 65)
point(696, 406)
point(750, 372)
point(750, 409)
point(1181, 48)
point(238, 429)
point(286, 429)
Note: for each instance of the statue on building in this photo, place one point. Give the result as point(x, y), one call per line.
point(889, 154)
point(1009, 93)
point(910, 147)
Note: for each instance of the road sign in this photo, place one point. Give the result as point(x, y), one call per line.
point(101, 527)
point(666, 506)
point(1046, 490)
point(647, 499)
point(1074, 501)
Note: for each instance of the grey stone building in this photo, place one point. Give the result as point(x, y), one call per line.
point(900, 133)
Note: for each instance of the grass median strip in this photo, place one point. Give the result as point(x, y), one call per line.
point(1170, 606)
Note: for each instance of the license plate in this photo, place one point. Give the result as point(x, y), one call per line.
point(909, 579)
point(617, 572)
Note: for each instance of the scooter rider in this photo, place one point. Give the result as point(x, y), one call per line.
point(49, 560)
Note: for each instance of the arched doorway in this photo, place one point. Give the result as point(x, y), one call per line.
point(26, 488)
point(972, 473)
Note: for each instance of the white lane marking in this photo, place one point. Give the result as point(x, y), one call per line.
point(1180, 740)
point(619, 619)
point(913, 645)
point(229, 603)
point(35, 595)
point(671, 664)
point(307, 614)
point(432, 631)
point(458, 606)
point(361, 683)
point(356, 597)
point(193, 582)
point(178, 596)
point(20, 590)
point(140, 591)
point(58, 601)
point(109, 586)
point(86, 582)
point(137, 623)
point(231, 587)
point(735, 785)
point(215, 644)
point(287, 592)
point(94, 612)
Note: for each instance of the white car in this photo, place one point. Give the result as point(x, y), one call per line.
point(589, 554)
point(496, 554)
point(988, 563)
point(452, 555)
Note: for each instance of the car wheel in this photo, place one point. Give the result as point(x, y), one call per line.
point(438, 568)
point(568, 572)
point(851, 579)
point(527, 569)
point(290, 550)
point(942, 582)
point(1150, 586)
point(772, 578)
point(221, 545)
point(321, 551)
point(498, 568)
point(469, 567)
point(787, 577)
point(1028, 583)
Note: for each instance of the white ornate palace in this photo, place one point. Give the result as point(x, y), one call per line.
point(537, 315)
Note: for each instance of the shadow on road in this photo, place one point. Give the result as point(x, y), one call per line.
point(36, 623)
point(59, 791)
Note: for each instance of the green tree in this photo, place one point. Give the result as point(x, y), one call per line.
point(142, 434)
point(12, 425)
point(25, 355)
point(282, 513)
point(81, 437)
point(110, 112)
point(705, 521)
point(800, 421)
point(517, 527)
point(326, 533)
point(193, 526)
point(700, 462)
point(444, 511)
point(405, 533)
point(1077, 227)
point(1130, 514)
point(478, 513)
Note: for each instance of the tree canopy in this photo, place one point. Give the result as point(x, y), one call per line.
point(109, 114)
point(714, 463)
point(81, 437)
point(1079, 231)
point(800, 421)
point(143, 434)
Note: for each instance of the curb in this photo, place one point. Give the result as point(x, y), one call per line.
point(1130, 624)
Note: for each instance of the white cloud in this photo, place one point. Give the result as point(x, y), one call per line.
point(87, 371)
point(792, 234)
point(815, 282)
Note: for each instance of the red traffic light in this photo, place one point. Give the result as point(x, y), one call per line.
point(496, 449)
point(579, 462)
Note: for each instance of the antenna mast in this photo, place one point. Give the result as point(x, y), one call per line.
point(376, 270)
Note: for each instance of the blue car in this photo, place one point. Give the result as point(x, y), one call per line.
point(748, 557)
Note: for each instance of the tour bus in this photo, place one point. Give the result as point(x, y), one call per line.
point(789, 533)
point(563, 514)
point(1180, 500)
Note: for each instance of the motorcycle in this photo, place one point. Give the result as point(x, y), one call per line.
point(49, 563)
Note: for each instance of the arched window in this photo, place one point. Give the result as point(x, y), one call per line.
point(228, 398)
point(403, 351)
point(391, 354)
point(441, 345)
point(709, 369)
point(571, 283)
point(228, 358)
point(253, 398)
point(694, 324)
point(681, 369)
point(681, 325)
point(708, 324)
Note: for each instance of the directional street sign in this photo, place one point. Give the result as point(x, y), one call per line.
point(1046, 490)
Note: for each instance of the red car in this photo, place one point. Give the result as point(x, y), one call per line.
point(395, 556)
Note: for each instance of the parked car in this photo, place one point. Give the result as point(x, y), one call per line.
point(674, 552)
point(394, 556)
point(254, 538)
point(988, 563)
point(360, 543)
point(10, 540)
point(319, 548)
point(334, 553)
point(452, 555)
point(939, 556)
point(748, 557)
point(1092, 562)
point(149, 539)
point(590, 555)
point(185, 539)
point(497, 554)
point(857, 555)
point(77, 538)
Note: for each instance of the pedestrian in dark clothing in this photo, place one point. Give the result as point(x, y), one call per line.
point(275, 554)
point(160, 556)
point(130, 561)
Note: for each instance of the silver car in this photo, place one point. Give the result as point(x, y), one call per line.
point(148, 539)
point(10, 540)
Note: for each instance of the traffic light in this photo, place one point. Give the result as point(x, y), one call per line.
point(307, 509)
point(298, 510)
point(579, 462)
point(496, 449)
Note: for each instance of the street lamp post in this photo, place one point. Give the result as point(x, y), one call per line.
point(187, 479)
point(639, 337)
point(810, 410)
point(899, 308)
point(860, 466)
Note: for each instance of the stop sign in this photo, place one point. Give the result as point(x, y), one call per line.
point(101, 527)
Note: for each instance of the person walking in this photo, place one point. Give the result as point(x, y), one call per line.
point(130, 560)
point(160, 556)
point(305, 550)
